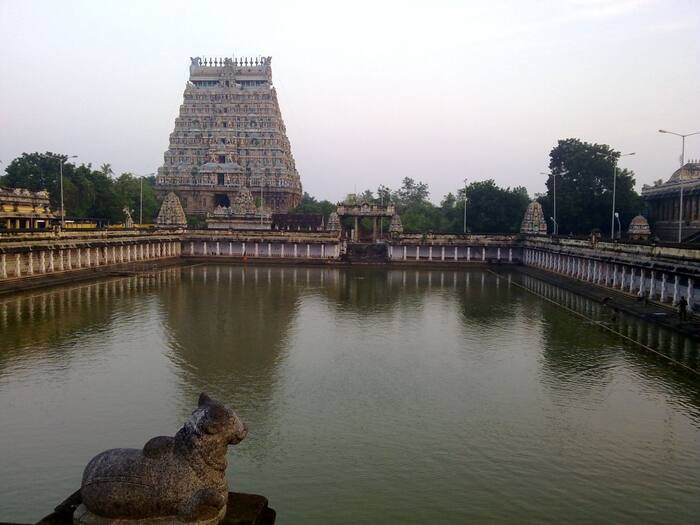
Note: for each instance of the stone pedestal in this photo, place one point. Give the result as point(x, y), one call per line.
point(242, 509)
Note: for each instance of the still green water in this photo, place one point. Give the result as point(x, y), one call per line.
point(372, 396)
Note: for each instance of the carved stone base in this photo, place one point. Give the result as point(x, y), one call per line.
point(241, 509)
point(82, 516)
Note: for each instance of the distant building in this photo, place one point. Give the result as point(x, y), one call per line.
point(662, 201)
point(24, 209)
point(229, 137)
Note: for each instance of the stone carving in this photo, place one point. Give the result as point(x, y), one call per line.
point(639, 228)
point(171, 213)
point(395, 227)
point(533, 221)
point(172, 480)
point(128, 221)
point(333, 222)
point(243, 203)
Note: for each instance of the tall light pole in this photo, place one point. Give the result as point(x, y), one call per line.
point(62, 159)
point(554, 219)
point(465, 206)
point(141, 196)
point(612, 218)
point(680, 176)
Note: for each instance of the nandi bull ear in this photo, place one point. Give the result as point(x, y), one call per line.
point(203, 399)
point(214, 418)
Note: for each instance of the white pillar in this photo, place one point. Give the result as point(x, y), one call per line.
point(295, 250)
point(483, 254)
point(641, 283)
point(308, 251)
point(510, 255)
point(42, 261)
point(218, 248)
point(690, 292)
point(243, 249)
point(191, 248)
point(675, 289)
point(51, 262)
point(61, 260)
point(79, 262)
point(204, 248)
point(498, 254)
point(442, 253)
point(87, 257)
point(257, 249)
point(632, 279)
point(323, 250)
point(456, 253)
point(141, 251)
point(622, 278)
point(469, 253)
point(30, 263)
point(662, 294)
point(282, 250)
point(70, 259)
point(418, 252)
point(652, 282)
point(614, 278)
point(114, 254)
point(3, 266)
point(269, 249)
point(404, 253)
point(430, 253)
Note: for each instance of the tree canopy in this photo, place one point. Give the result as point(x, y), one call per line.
point(584, 184)
point(87, 192)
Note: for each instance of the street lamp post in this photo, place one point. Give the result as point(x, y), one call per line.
point(262, 199)
point(619, 226)
point(62, 159)
point(680, 176)
point(612, 218)
point(465, 205)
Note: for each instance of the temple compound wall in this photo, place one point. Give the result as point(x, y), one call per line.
point(229, 137)
point(659, 273)
point(35, 256)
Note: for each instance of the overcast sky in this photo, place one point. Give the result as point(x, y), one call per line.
point(371, 92)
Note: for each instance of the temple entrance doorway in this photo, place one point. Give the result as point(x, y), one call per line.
point(221, 199)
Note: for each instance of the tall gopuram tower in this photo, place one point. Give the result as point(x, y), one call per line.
point(229, 137)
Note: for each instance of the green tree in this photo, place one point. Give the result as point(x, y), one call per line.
point(584, 178)
point(127, 190)
point(310, 204)
point(491, 209)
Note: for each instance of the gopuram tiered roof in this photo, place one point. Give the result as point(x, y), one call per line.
point(230, 137)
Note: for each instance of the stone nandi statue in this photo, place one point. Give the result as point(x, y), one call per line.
point(172, 480)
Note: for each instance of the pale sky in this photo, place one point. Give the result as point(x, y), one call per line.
point(371, 92)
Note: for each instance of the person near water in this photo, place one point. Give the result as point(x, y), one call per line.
point(683, 309)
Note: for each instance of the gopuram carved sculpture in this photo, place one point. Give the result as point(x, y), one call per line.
point(172, 480)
